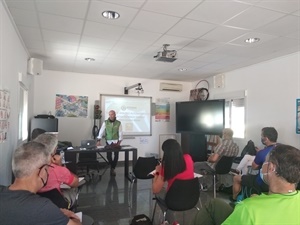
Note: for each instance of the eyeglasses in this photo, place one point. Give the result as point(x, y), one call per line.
point(43, 166)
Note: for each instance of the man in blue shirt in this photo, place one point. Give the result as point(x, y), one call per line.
point(269, 137)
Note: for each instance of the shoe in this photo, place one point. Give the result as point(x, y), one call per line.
point(112, 172)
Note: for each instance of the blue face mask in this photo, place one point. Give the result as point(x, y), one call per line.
point(261, 174)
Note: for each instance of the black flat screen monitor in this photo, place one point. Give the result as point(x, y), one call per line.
point(203, 117)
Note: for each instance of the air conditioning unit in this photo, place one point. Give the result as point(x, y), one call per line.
point(170, 87)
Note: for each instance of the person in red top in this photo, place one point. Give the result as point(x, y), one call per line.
point(58, 174)
point(175, 165)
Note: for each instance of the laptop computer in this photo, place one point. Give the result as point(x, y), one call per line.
point(88, 144)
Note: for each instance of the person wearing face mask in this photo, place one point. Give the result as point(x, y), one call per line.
point(281, 205)
point(269, 137)
point(113, 136)
point(58, 175)
point(19, 203)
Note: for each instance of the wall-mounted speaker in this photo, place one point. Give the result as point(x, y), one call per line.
point(35, 66)
point(219, 81)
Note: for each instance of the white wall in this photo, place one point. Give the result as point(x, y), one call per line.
point(76, 129)
point(272, 89)
point(13, 60)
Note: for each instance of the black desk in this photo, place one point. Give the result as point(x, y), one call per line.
point(71, 155)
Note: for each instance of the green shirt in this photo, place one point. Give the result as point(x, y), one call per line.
point(274, 209)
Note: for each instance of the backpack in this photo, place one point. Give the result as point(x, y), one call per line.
point(141, 219)
point(248, 149)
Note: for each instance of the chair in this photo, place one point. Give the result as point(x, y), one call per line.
point(183, 195)
point(88, 160)
point(223, 166)
point(141, 170)
point(56, 197)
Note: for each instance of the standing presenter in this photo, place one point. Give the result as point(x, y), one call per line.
point(114, 136)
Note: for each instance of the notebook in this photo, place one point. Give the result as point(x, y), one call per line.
point(88, 144)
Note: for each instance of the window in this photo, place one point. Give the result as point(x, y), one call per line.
point(235, 116)
point(23, 113)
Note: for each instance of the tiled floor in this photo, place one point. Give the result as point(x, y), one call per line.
point(108, 200)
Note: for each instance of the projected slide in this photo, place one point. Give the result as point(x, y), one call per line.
point(133, 112)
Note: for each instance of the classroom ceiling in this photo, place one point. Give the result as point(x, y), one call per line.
point(208, 35)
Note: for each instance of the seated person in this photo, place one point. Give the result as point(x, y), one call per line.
point(225, 148)
point(174, 165)
point(268, 137)
point(281, 205)
point(58, 174)
point(19, 203)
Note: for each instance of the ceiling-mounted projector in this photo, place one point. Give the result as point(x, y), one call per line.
point(166, 55)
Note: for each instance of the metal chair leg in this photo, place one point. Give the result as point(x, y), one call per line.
point(214, 184)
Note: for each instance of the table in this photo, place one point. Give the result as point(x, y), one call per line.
point(71, 155)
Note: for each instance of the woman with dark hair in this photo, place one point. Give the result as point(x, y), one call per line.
point(175, 165)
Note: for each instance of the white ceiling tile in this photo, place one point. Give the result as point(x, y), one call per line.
point(295, 34)
point(223, 34)
point(263, 38)
point(58, 64)
point(190, 28)
point(187, 55)
point(24, 17)
point(104, 31)
point(153, 22)
point(133, 4)
point(27, 5)
point(96, 53)
point(209, 58)
point(171, 7)
point(141, 37)
point(55, 47)
point(174, 41)
point(97, 7)
point(34, 44)
point(60, 23)
point(137, 47)
point(202, 46)
point(286, 6)
point(76, 9)
point(217, 11)
point(61, 37)
point(91, 42)
point(253, 18)
point(30, 33)
point(279, 27)
point(192, 64)
point(61, 54)
point(37, 53)
point(297, 13)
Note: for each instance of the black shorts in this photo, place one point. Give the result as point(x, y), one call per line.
point(251, 182)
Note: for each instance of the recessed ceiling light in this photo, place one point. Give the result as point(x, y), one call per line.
point(89, 59)
point(252, 40)
point(182, 69)
point(111, 15)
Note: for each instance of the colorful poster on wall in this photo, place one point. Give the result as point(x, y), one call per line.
point(162, 112)
point(4, 114)
point(298, 116)
point(71, 106)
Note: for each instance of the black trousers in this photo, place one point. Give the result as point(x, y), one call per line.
point(112, 162)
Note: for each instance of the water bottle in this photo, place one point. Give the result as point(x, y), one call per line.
point(62, 156)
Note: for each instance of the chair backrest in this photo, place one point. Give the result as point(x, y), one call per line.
point(143, 166)
point(183, 195)
point(224, 165)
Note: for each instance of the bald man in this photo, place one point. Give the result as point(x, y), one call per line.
point(113, 136)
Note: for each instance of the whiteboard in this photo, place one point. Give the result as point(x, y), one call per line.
point(133, 112)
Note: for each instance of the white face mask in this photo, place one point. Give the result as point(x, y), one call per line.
point(261, 174)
